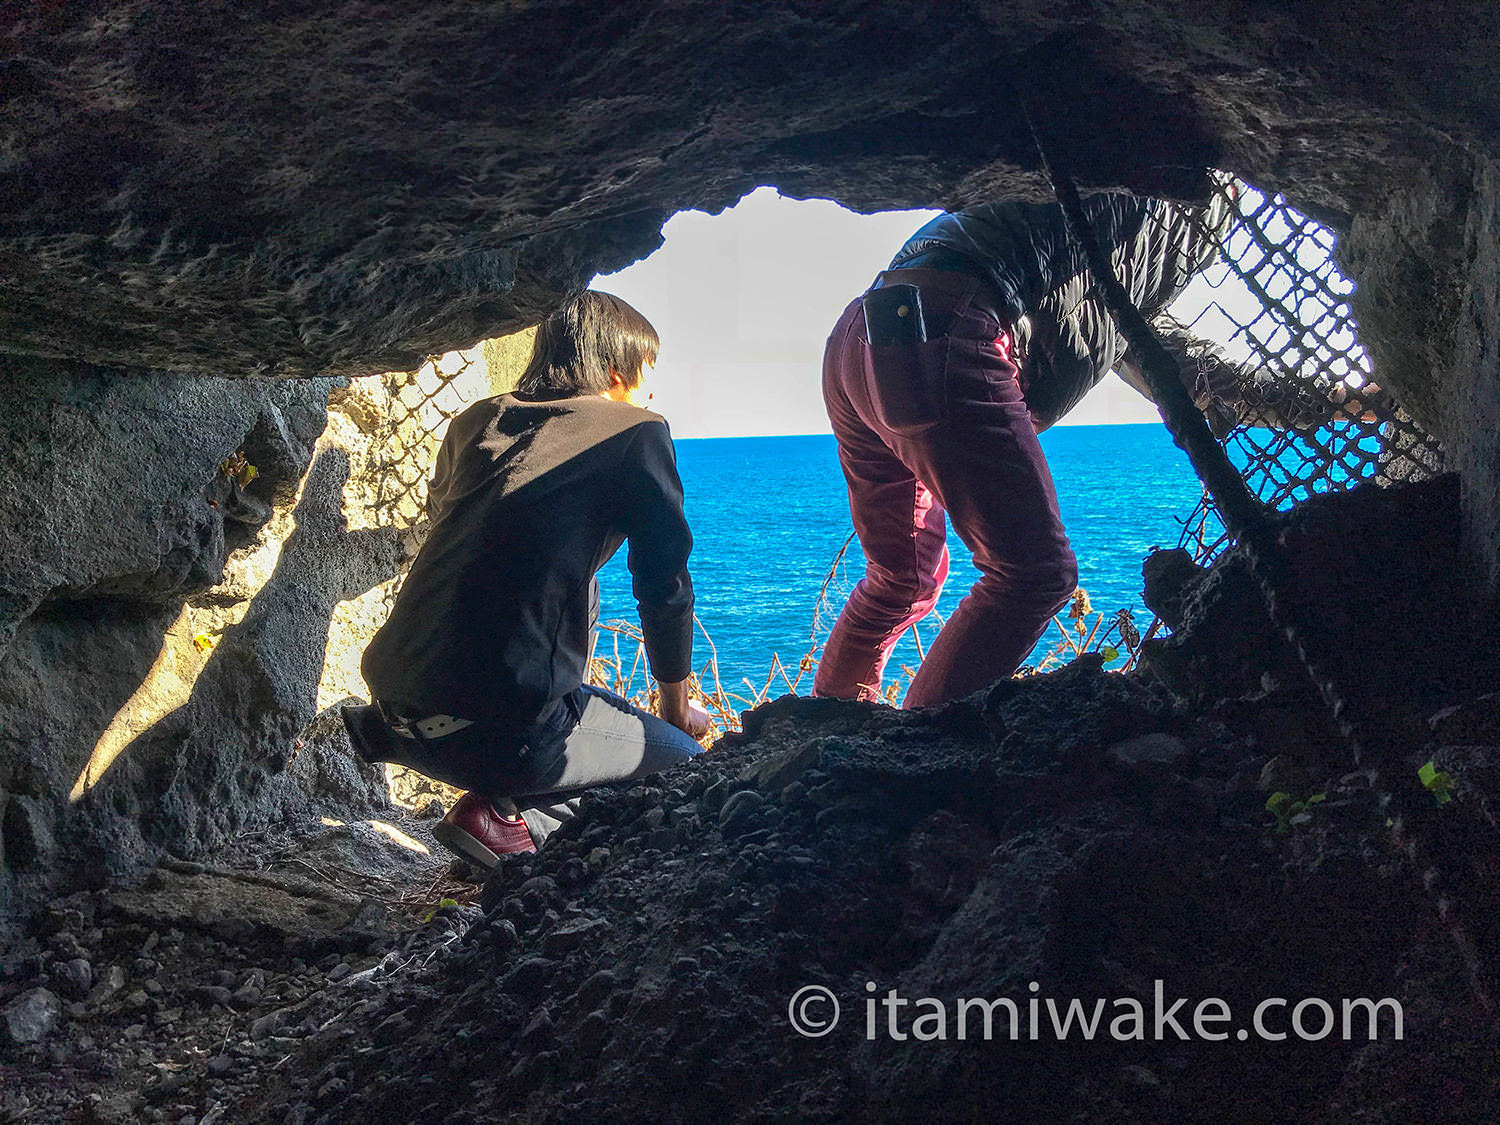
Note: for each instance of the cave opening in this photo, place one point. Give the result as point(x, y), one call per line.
point(743, 300)
point(228, 244)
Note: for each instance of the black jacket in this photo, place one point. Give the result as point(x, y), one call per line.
point(1041, 278)
point(528, 500)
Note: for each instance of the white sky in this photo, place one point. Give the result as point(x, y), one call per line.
point(744, 301)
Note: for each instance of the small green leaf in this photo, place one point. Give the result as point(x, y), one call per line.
point(447, 902)
point(1289, 811)
point(1109, 652)
point(1437, 782)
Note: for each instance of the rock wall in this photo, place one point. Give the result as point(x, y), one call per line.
point(308, 191)
point(1428, 307)
point(315, 190)
point(168, 635)
point(162, 625)
point(112, 484)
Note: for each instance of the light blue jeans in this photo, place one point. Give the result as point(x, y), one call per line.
point(599, 739)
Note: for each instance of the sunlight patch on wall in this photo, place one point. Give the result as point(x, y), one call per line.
point(166, 687)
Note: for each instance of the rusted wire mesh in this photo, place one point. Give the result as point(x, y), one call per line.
point(421, 403)
point(1278, 301)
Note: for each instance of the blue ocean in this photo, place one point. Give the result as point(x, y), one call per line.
point(770, 514)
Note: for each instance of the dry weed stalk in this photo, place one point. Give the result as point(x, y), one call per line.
point(614, 672)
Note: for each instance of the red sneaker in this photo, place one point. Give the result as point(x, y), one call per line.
point(475, 831)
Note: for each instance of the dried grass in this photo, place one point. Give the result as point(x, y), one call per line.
point(622, 668)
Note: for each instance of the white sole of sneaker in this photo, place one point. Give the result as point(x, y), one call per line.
point(463, 845)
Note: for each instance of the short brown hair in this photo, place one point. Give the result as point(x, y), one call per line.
point(578, 344)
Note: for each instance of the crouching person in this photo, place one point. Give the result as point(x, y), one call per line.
point(478, 675)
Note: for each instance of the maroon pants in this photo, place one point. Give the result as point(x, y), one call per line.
point(927, 431)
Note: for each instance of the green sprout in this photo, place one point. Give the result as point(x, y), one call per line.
point(1437, 782)
point(442, 902)
point(1286, 808)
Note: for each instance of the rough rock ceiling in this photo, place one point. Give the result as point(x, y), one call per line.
point(339, 187)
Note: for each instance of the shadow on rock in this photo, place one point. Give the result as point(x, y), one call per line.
point(228, 759)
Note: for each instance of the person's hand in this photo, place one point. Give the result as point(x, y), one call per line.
point(698, 719)
point(682, 712)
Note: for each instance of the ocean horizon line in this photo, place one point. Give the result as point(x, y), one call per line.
point(829, 433)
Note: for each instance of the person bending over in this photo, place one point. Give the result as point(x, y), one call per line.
point(478, 675)
point(985, 330)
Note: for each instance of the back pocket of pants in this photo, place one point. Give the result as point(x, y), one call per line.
point(908, 392)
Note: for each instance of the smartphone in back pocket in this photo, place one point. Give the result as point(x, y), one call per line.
point(893, 316)
point(907, 372)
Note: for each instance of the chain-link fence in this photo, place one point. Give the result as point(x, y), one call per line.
point(1307, 415)
point(1316, 420)
point(421, 403)
point(420, 406)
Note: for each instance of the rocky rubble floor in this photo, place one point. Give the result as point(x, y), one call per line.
point(1072, 830)
point(172, 1000)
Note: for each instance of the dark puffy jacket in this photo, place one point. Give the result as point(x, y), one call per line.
point(1061, 326)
